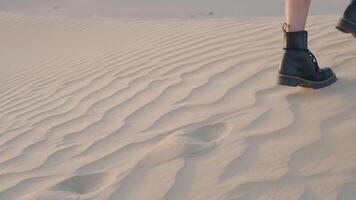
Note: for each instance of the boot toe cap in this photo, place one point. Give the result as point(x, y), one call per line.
point(326, 73)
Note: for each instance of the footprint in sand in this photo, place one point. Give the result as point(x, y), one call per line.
point(187, 144)
point(52, 195)
point(75, 187)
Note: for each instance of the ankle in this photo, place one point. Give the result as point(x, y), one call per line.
point(295, 28)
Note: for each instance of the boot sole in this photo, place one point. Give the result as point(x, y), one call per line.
point(347, 26)
point(294, 81)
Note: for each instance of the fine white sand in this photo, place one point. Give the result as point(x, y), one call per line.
point(138, 109)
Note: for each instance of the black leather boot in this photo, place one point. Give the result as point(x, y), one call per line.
point(299, 66)
point(347, 23)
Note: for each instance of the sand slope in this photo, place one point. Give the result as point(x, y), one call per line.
point(163, 8)
point(171, 109)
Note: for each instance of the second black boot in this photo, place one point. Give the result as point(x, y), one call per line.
point(299, 66)
point(347, 23)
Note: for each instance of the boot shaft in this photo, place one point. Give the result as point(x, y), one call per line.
point(295, 40)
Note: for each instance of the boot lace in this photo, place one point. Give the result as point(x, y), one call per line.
point(313, 58)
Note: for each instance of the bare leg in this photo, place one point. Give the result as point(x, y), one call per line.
point(296, 12)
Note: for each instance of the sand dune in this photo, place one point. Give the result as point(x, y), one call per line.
point(171, 109)
point(163, 8)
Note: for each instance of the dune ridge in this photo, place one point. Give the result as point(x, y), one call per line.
point(171, 109)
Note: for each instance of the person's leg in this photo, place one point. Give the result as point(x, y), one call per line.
point(296, 13)
point(299, 66)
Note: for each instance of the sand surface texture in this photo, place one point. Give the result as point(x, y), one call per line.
point(135, 109)
point(163, 8)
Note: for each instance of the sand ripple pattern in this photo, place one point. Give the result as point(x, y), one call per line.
point(135, 109)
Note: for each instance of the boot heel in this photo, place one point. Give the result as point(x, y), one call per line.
point(346, 26)
point(287, 80)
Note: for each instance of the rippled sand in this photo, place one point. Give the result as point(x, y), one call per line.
point(171, 109)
